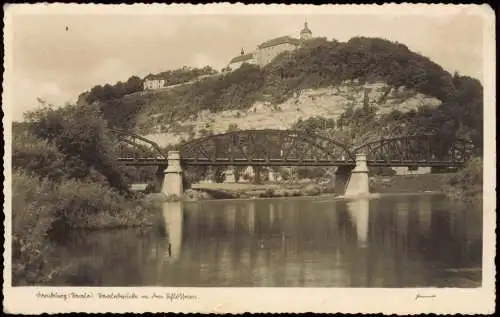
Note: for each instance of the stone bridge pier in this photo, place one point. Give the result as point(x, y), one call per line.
point(352, 181)
point(172, 175)
point(349, 180)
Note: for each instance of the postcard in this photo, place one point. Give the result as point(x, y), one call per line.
point(232, 158)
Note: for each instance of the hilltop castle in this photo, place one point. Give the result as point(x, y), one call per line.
point(267, 51)
point(263, 54)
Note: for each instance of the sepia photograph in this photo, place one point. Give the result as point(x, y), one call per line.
point(214, 157)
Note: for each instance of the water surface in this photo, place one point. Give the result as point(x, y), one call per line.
point(400, 241)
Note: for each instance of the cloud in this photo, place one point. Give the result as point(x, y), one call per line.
point(456, 43)
point(201, 60)
point(47, 91)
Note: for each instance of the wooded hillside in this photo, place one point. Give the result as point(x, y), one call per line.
point(319, 63)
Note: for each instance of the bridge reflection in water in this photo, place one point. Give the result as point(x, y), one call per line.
point(300, 242)
point(401, 241)
point(172, 214)
point(359, 210)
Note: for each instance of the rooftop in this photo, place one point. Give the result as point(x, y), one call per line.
point(241, 58)
point(305, 29)
point(153, 77)
point(278, 41)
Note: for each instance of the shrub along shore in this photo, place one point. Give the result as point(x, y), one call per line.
point(467, 184)
point(65, 177)
point(44, 212)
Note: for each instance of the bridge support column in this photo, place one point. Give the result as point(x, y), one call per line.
point(172, 181)
point(359, 182)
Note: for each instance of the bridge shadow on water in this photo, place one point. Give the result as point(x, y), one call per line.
point(403, 241)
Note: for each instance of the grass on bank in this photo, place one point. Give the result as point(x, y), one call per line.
point(43, 212)
point(467, 184)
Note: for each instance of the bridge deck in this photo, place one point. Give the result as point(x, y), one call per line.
point(282, 162)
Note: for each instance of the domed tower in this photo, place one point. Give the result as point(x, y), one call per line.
point(306, 33)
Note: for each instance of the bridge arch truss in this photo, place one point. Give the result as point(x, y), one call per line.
point(416, 150)
point(266, 148)
point(134, 147)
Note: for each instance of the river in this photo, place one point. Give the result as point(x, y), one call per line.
point(394, 241)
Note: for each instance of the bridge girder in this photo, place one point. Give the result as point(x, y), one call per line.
point(265, 145)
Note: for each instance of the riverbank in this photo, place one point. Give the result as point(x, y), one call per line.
point(379, 185)
point(408, 184)
point(266, 190)
point(43, 212)
point(464, 186)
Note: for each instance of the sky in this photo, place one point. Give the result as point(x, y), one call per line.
point(57, 64)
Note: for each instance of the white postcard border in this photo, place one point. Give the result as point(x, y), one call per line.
point(239, 300)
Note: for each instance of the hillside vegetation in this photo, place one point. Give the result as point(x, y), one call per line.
point(318, 64)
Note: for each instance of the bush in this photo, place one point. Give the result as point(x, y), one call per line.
point(81, 135)
point(89, 205)
point(35, 155)
point(43, 212)
point(311, 190)
point(470, 177)
point(467, 184)
point(284, 173)
point(32, 217)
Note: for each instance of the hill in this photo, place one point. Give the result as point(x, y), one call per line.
point(322, 78)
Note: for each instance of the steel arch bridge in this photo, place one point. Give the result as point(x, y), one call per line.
point(294, 148)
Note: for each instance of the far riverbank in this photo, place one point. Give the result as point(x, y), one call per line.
point(464, 186)
point(379, 185)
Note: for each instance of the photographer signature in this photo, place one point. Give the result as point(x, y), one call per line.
point(424, 296)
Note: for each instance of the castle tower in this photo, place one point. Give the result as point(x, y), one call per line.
point(306, 33)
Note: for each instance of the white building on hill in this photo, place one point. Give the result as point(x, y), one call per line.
point(267, 51)
point(154, 82)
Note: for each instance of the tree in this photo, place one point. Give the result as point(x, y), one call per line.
point(133, 84)
point(80, 134)
point(39, 157)
point(314, 125)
